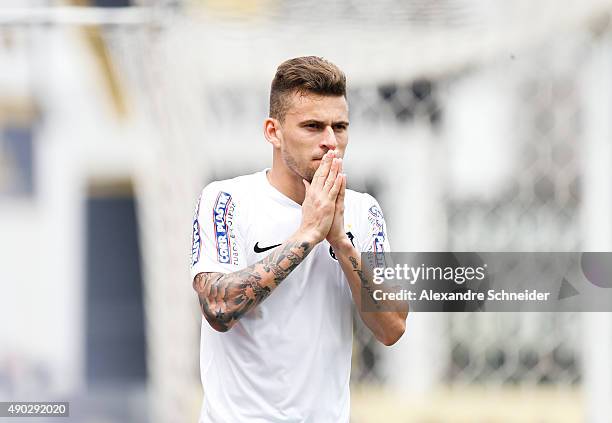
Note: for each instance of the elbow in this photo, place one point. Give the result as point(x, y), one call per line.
point(393, 334)
point(215, 318)
point(217, 324)
point(220, 327)
point(214, 311)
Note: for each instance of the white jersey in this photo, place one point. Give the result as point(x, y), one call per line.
point(289, 359)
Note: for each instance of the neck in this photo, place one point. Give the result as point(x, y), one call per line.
point(286, 181)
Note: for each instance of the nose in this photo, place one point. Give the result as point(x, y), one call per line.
point(329, 140)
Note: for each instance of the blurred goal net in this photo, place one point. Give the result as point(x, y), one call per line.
point(471, 124)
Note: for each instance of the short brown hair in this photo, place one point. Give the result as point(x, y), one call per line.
point(308, 74)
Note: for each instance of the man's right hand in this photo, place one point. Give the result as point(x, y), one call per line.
point(320, 200)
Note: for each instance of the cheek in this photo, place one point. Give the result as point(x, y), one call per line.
point(342, 143)
point(299, 144)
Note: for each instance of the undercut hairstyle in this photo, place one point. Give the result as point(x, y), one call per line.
point(304, 75)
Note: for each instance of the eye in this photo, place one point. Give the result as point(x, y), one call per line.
point(312, 126)
point(340, 127)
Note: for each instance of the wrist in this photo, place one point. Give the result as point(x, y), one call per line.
point(307, 236)
point(342, 245)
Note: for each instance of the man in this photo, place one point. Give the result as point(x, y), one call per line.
point(292, 233)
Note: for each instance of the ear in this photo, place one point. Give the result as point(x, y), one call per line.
point(272, 132)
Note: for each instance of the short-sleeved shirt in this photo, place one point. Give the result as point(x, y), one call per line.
point(288, 359)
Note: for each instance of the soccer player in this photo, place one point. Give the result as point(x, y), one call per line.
point(276, 264)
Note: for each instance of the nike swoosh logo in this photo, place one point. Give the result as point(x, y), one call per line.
point(259, 249)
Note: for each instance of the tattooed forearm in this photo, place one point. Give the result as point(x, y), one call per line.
point(283, 261)
point(225, 298)
point(379, 316)
point(365, 283)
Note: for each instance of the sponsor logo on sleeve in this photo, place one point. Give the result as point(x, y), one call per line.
point(195, 236)
point(377, 229)
point(223, 212)
point(377, 222)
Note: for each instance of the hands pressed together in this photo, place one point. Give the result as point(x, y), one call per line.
point(323, 218)
point(323, 206)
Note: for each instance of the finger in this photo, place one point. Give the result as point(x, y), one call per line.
point(333, 172)
point(342, 191)
point(335, 189)
point(306, 184)
point(321, 174)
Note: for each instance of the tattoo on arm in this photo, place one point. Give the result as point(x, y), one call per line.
point(225, 298)
point(365, 283)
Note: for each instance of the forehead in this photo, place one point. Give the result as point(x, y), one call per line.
point(306, 106)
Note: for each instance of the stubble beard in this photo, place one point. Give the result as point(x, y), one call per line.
point(304, 172)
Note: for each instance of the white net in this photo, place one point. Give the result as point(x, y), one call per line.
point(535, 166)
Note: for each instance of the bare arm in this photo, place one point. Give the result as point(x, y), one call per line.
point(225, 298)
point(387, 326)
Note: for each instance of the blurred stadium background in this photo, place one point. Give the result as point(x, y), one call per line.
point(480, 125)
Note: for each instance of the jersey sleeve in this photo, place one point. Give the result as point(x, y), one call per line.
point(374, 238)
point(216, 241)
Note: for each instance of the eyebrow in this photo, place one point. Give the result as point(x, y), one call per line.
point(320, 122)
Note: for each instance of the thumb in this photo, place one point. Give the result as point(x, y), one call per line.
point(306, 184)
